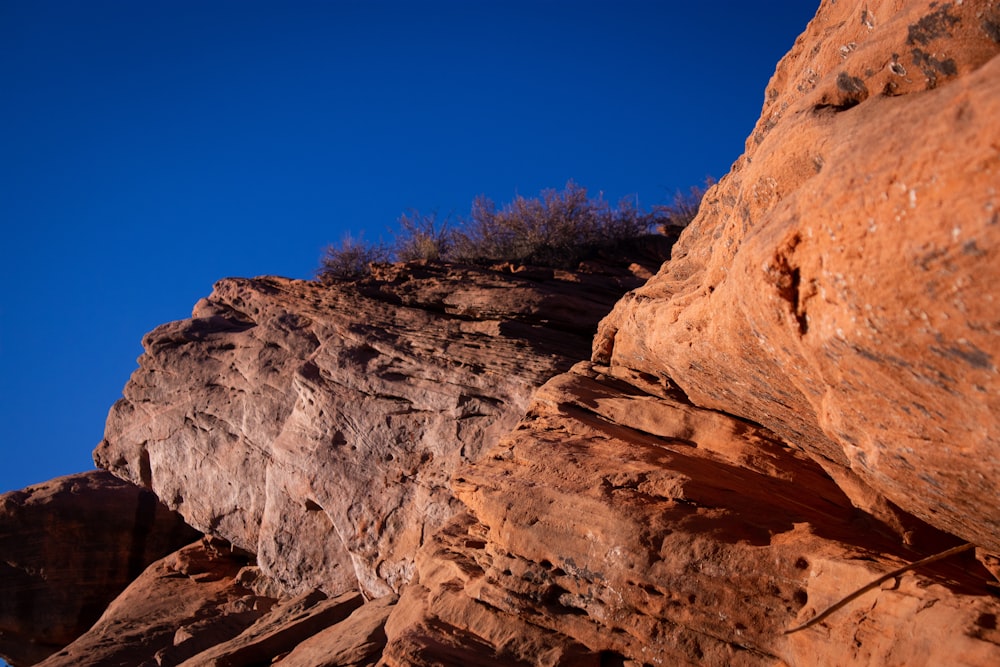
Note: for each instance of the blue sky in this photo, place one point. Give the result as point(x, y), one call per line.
point(148, 149)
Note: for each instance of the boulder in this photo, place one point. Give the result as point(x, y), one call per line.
point(68, 547)
point(839, 285)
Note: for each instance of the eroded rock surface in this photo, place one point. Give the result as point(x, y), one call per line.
point(801, 401)
point(67, 548)
point(356, 641)
point(839, 285)
point(186, 602)
point(618, 522)
point(207, 604)
point(318, 426)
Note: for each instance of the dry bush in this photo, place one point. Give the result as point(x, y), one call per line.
point(559, 228)
point(351, 259)
point(556, 229)
point(422, 237)
point(684, 207)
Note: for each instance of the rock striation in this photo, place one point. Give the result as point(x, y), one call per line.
point(444, 465)
point(317, 427)
point(620, 524)
point(204, 605)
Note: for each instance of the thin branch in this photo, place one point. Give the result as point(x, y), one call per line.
point(878, 582)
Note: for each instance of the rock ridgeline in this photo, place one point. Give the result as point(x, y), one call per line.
point(311, 431)
point(444, 465)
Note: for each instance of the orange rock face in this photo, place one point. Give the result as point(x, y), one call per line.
point(618, 522)
point(839, 285)
point(803, 400)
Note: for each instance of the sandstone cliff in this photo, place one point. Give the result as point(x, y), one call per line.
point(314, 429)
point(443, 465)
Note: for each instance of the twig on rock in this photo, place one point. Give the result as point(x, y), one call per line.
point(878, 582)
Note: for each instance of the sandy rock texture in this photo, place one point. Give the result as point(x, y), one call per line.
point(839, 285)
point(317, 426)
point(203, 605)
point(68, 547)
point(620, 524)
point(424, 468)
point(170, 611)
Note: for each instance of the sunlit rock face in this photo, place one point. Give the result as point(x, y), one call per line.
point(317, 426)
point(618, 522)
point(840, 284)
point(801, 400)
point(443, 465)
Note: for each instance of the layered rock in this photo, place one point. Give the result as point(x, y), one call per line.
point(317, 426)
point(171, 611)
point(836, 288)
point(620, 524)
point(204, 605)
point(68, 547)
point(839, 284)
point(801, 401)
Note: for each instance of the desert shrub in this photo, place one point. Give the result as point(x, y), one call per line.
point(423, 237)
point(684, 207)
point(350, 259)
point(559, 228)
point(556, 229)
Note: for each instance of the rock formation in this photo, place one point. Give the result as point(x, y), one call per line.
point(838, 285)
point(317, 427)
point(204, 605)
point(67, 548)
point(618, 522)
point(424, 468)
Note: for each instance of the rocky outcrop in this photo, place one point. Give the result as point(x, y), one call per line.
point(204, 605)
point(419, 468)
point(839, 284)
point(800, 402)
point(318, 426)
point(67, 548)
point(174, 609)
point(620, 524)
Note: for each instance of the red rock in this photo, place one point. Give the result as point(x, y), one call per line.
point(356, 641)
point(801, 401)
point(179, 606)
point(280, 630)
point(199, 606)
point(67, 548)
point(620, 523)
point(317, 426)
point(839, 285)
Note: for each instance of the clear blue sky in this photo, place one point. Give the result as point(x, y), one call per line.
point(149, 148)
